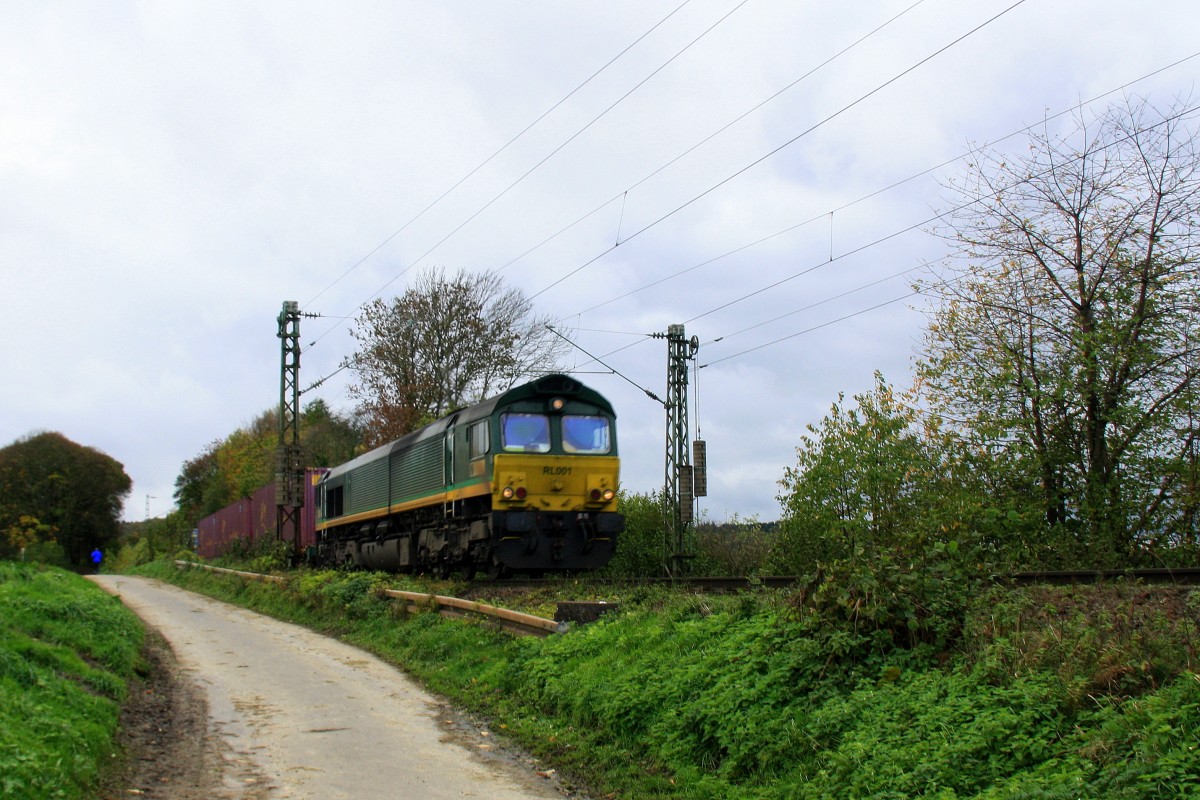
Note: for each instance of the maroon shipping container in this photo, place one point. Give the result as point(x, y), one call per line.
point(218, 531)
point(254, 517)
point(262, 513)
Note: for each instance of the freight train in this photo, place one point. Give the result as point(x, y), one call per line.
point(253, 519)
point(522, 482)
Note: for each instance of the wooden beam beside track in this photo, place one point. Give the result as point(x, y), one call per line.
point(515, 621)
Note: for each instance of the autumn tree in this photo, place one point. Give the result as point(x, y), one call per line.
point(146, 540)
point(246, 459)
point(1065, 334)
point(199, 490)
point(53, 486)
point(228, 469)
point(26, 531)
point(238, 465)
point(445, 343)
point(327, 437)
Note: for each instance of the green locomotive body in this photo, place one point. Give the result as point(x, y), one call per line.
point(525, 481)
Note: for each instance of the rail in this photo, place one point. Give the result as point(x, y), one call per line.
point(513, 621)
point(1182, 576)
point(530, 625)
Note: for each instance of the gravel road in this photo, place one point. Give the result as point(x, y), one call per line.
point(292, 714)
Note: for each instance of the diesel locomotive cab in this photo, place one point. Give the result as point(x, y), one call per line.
point(555, 484)
point(524, 481)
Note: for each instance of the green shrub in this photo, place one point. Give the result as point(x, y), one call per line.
point(641, 548)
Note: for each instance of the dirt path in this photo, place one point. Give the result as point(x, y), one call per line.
point(238, 706)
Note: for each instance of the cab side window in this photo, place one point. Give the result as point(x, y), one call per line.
point(334, 502)
point(477, 440)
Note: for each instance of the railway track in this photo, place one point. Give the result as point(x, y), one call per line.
point(530, 625)
point(1182, 576)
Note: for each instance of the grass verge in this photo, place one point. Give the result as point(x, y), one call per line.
point(1048, 693)
point(67, 652)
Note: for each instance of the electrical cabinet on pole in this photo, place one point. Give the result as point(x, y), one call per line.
point(289, 460)
point(678, 487)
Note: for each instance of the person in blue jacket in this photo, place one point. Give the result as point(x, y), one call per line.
point(97, 557)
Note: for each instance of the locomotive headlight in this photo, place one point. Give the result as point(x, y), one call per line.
point(511, 486)
point(557, 404)
point(601, 489)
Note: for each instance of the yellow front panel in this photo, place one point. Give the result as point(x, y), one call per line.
point(553, 482)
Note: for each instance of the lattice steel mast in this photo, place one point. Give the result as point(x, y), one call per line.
point(289, 459)
point(678, 486)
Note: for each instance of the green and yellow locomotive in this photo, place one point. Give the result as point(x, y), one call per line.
point(525, 481)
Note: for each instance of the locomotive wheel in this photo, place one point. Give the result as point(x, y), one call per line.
point(441, 570)
point(496, 570)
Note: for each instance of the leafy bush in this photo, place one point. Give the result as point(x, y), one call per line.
point(1112, 639)
point(132, 555)
point(357, 594)
point(266, 555)
point(641, 548)
point(894, 604)
point(734, 548)
point(49, 553)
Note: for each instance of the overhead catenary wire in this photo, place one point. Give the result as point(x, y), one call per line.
point(613, 370)
point(1182, 114)
point(873, 193)
point(809, 330)
point(811, 306)
point(783, 146)
point(865, 197)
point(546, 158)
point(623, 195)
point(502, 148)
point(778, 93)
point(821, 216)
point(710, 189)
point(917, 225)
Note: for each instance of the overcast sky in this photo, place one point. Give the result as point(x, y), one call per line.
point(171, 172)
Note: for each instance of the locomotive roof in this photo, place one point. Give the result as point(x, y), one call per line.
point(552, 385)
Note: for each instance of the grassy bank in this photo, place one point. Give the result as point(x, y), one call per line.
point(1088, 692)
point(67, 652)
